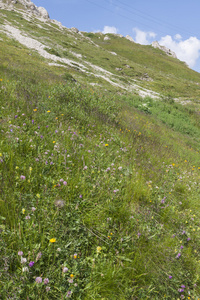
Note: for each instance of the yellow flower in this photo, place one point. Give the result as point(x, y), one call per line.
point(99, 249)
point(35, 109)
point(53, 142)
point(106, 145)
point(48, 111)
point(38, 195)
point(23, 211)
point(0, 154)
point(71, 275)
point(56, 118)
point(30, 169)
point(52, 240)
point(1, 79)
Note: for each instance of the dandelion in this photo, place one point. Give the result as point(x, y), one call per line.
point(35, 109)
point(31, 264)
point(46, 281)
point(65, 270)
point(53, 142)
point(52, 240)
point(48, 111)
point(106, 145)
point(20, 253)
point(38, 279)
point(71, 275)
point(99, 249)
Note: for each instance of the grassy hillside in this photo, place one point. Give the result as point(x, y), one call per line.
point(99, 194)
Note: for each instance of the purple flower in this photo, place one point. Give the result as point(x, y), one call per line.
point(22, 177)
point(31, 263)
point(46, 162)
point(183, 232)
point(163, 200)
point(47, 126)
point(27, 217)
point(38, 127)
point(188, 239)
point(181, 290)
point(170, 276)
point(139, 234)
point(181, 247)
point(70, 280)
point(81, 196)
point(16, 116)
point(46, 281)
point(32, 121)
point(20, 253)
point(51, 163)
point(178, 255)
point(68, 294)
point(56, 131)
point(41, 136)
point(65, 182)
point(183, 286)
point(38, 279)
point(33, 209)
point(11, 130)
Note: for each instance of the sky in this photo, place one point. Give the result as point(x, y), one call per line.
point(173, 23)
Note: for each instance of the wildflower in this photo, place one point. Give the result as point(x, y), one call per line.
point(53, 142)
point(0, 154)
point(35, 109)
point(75, 255)
point(31, 263)
point(38, 256)
point(58, 249)
point(27, 217)
point(70, 280)
point(65, 270)
point(71, 275)
point(178, 255)
point(38, 279)
point(22, 177)
point(68, 294)
point(170, 276)
point(48, 288)
point(25, 269)
point(48, 111)
point(59, 203)
point(16, 116)
point(120, 168)
point(23, 260)
point(65, 182)
point(20, 253)
point(85, 168)
point(38, 195)
point(33, 209)
point(52, 240)
point(32, 121)
point(23, 211)
point(139, 234)
point(99, 249)
point(106, 145)
point(46, 281)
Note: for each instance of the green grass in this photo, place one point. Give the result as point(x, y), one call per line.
point(99, 187)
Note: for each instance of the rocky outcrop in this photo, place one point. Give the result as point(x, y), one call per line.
point(29, 6)
point(165, 49)
point(128, 37)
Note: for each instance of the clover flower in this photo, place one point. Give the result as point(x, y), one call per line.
point(20, 253)
point(31, 264)
point(38, 279)
point(65, 270)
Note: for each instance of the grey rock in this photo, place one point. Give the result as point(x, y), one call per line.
point(169, 52)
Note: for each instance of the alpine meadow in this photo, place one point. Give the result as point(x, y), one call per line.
point(99, 165)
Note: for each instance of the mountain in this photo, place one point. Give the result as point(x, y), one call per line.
point(110, 60)
point(99, 164)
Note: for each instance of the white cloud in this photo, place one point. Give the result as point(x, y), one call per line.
point(109, 29)
point(178, 36)
point(187, 50)
point(142, 37)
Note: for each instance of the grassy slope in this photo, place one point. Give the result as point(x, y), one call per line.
point(132, 188)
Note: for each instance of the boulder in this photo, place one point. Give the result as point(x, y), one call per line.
point(43, 12)
point(128, 37)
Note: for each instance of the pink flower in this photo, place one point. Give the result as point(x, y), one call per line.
point(46, 281)
point(65, 182)
point(20, 253)
point(38, 279)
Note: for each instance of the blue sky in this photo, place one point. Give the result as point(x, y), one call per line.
point(173, 23)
